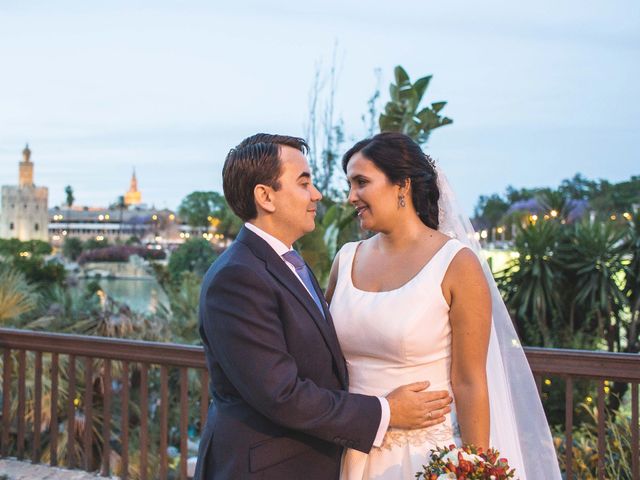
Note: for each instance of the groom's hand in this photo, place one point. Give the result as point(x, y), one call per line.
point(411, 407)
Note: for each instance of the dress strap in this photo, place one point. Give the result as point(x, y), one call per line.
point(444, 258)
point(345, 260)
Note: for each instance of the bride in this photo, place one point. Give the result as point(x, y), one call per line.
point(415, 301)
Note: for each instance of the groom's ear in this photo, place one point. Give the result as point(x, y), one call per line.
point(263, 195)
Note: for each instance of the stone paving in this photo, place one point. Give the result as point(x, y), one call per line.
point(16, 470)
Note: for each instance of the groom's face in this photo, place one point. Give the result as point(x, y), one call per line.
point(296, 200)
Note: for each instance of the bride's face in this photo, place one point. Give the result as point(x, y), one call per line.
point(371, 193)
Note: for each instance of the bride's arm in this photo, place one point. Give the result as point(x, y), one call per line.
point(468, 294)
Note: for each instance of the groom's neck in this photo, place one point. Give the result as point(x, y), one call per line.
point(274, 230)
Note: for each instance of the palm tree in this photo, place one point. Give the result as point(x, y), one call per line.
point(530, 284)
point(68, 201)
point(121, 205)
point(17, 296)
point(632, 285)
point(593, 255)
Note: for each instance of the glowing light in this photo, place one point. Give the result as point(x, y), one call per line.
point(107, 216)
point(553, 213)
point(100, 217)
point(181, 234)
point(64, 232)
point(154, 217)
point(484, 234)
point(500, 230)
point(187, 235)
point(534, 218)
point(627, 215)
point(99, 238)
point(547, 381)
point(589, 399)
point(614, 217)
point(515, 255)
point(172, 217)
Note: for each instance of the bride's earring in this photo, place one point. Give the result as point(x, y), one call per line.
point(401, 201)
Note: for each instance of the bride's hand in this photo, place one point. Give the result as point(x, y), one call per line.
point(413, 407)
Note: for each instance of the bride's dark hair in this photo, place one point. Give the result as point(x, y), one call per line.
point(400, 158)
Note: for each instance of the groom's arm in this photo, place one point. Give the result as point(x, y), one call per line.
point(242, 325)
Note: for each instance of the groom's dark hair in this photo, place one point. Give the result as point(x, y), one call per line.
point(255, 161)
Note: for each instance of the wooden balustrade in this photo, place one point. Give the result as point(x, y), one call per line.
point(106, 362)
point(109, 362)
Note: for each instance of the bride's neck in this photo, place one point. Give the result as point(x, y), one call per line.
point(402, 236)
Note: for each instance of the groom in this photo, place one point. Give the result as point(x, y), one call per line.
point(281, 407)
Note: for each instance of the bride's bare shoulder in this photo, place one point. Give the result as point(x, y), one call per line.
point(465, 271)
point(434, 238)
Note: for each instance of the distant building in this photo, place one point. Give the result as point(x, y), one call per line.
point(133, 197)
point(23, 213)
point(114, 224)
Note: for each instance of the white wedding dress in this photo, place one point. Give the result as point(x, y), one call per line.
point(390, 339)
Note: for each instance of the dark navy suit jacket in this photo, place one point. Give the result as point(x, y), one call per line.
point(279, 381)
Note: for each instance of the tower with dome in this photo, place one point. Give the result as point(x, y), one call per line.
point(133, 197)
point(23, 213)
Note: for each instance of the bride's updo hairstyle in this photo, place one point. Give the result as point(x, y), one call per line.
point(400, 158)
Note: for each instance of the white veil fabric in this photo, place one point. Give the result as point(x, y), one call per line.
point(519, 427)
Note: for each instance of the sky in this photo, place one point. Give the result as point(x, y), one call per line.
point(538, 91)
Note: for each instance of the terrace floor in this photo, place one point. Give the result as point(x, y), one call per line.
point(17, 470)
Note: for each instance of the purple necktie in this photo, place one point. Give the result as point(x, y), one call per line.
point(303, 272)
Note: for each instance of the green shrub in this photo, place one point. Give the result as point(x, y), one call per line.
point(195, 255)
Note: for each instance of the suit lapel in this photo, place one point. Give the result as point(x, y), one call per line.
point(283, 274)
point(342, 367)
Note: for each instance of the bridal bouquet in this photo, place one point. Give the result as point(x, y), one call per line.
point(465, 463)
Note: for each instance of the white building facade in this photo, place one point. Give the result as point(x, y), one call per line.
point(24, 208)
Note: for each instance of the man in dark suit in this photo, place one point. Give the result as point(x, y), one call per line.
point(281, 407)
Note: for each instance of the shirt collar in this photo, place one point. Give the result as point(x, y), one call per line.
point(277, 245)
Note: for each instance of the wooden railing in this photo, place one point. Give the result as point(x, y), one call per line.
point(52, 357)
point(602, 367)
point(98, 354)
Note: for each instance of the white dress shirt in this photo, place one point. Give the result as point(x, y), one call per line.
point(280, 248)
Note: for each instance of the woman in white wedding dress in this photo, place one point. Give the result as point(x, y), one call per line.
point(413, 302)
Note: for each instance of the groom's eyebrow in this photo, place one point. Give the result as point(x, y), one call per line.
point(304, 175)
